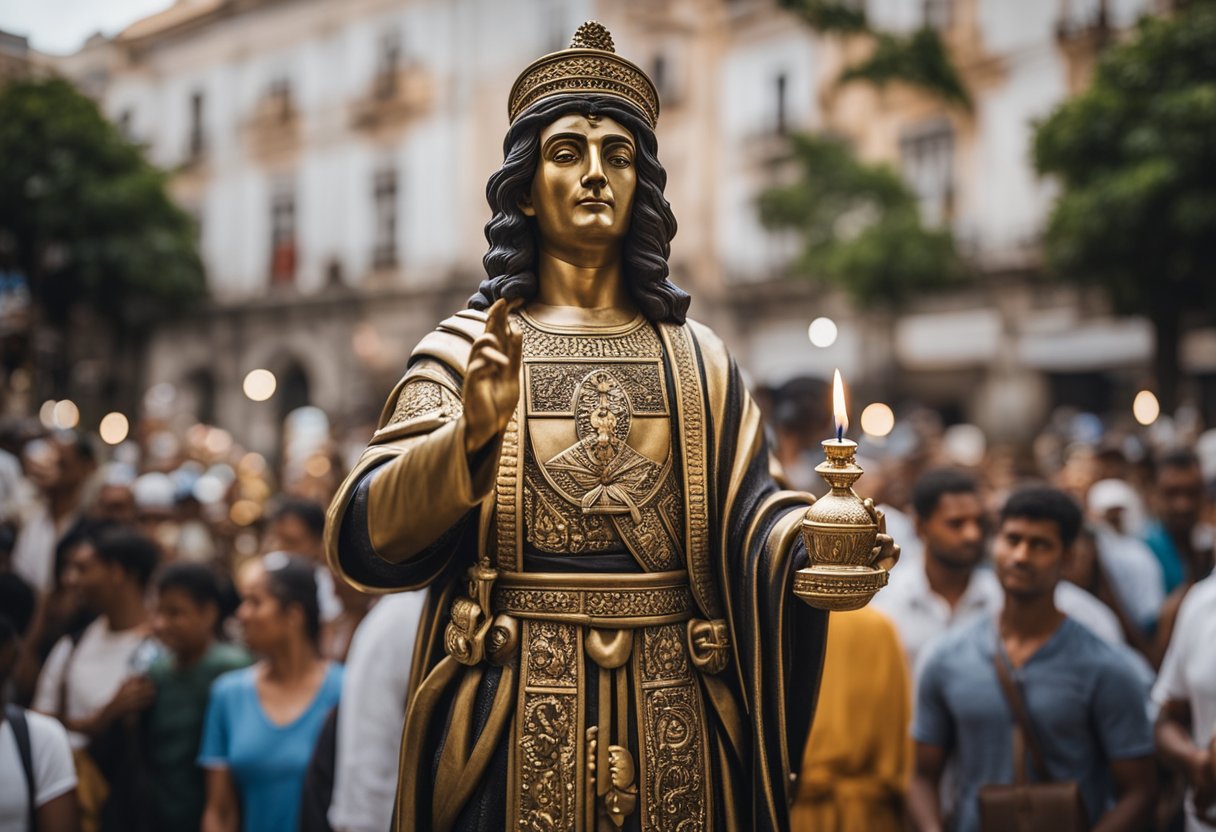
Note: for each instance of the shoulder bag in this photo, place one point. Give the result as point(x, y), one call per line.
point(1023, 806)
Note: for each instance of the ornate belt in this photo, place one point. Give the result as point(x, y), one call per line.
point(606, 600)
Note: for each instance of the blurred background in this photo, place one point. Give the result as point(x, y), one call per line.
point(225, 223)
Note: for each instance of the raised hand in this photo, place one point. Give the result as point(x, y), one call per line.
point(491, 382)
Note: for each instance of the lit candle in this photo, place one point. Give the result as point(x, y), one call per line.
point(838, 410)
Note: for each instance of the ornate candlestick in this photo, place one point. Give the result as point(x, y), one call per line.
point(840, 530)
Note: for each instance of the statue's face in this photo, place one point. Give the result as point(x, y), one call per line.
point(582, 191)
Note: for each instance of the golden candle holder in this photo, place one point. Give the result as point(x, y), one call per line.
point(840, 534)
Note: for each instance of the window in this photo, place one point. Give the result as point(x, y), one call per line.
point(927, 158)
point(196, 143)
point(658, 74)
point(388, 65)
point(779, 103)
point(126, 127)
point(939, 14)
point(278, 94)
point(384, 195)
point(283, 237)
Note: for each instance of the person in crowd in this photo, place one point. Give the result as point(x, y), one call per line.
point(155, 513)
point(297, 526)
point(115, 501)
point(37, 777)
point(857, 760)
point(945, 590)
point(263, 721)
point(1084, 702)
point(59, 468)
point(89, 682)
point(1186, 694)
point(1134, 572)
point(374, 693)
point(1179, 538)
point(1182, 543)
point(185, 619)
point(952, 586)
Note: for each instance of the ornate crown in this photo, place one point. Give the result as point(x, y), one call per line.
point(590, 66)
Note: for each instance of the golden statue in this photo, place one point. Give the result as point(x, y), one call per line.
point(579, 476)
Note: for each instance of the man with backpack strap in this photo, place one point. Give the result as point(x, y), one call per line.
point(37, 778)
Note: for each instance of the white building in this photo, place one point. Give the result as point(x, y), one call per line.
point(335, 156)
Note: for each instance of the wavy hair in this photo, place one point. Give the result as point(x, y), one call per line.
point(510, 262)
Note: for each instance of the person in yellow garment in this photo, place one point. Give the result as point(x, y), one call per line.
point(858, 759)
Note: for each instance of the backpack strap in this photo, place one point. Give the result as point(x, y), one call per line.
point(21, 733)
point(1024, 738)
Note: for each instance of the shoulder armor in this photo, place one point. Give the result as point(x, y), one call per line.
point(713, 351)
point(452, 341)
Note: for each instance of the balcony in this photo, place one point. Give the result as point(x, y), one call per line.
point(274, 127)
point(392, 99)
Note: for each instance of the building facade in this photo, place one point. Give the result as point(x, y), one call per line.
point(335, 157)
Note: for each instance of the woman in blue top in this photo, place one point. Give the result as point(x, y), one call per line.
point(263, 721)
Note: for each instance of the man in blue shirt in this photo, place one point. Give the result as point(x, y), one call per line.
point(1083, 699)
point(1182, 544)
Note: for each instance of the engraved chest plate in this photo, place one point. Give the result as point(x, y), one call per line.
point(597, 465)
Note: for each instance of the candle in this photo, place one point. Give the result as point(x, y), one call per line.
point(838, 410)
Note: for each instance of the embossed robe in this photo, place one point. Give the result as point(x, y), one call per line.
point(634, 451)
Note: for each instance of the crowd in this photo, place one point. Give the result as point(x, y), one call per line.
point(1052, 621)
point(175, 655)
point(173, 648)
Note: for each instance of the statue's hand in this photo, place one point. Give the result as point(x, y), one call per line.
point(491, 383)
point(886, 551)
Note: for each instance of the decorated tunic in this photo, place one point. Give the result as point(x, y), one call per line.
point(618, 654)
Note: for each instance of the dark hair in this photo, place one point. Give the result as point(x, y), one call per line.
point(293, 580)
point(133, 552)
point(928, 490)
point(17, 601)
point(194, 579)
point(510, 262)
point(1043, 503)
point(1177, 458)
point(308, 512)
point(79, 443)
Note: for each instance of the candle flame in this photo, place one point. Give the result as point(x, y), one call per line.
point(838, 409)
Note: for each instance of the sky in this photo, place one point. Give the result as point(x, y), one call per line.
point(60, 27)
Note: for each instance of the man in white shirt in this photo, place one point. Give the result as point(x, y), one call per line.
point(951, 587)
point(88, 682)
point(946, 589)
point(36, 769)
point(1134, 572)
point(1186, 694)
point(374, 690)
point(59, 469)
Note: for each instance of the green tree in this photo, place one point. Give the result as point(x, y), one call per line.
point(919, 58)
point(860, 226)
point(1136, 158)
point(85, 217)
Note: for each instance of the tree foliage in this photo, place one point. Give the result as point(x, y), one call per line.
point(1136, 159)
point(82, 213)
point(919, 59)
point(860, 225)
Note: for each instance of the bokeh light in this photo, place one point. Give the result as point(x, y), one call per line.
point(66, 414)
point(114, 428)
point(317, 466)
point(1146, 408)
point(822, 332)
point(877, 419)
point(260, 385)
point(46, 413)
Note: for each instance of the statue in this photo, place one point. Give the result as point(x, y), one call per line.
point(578, 474)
